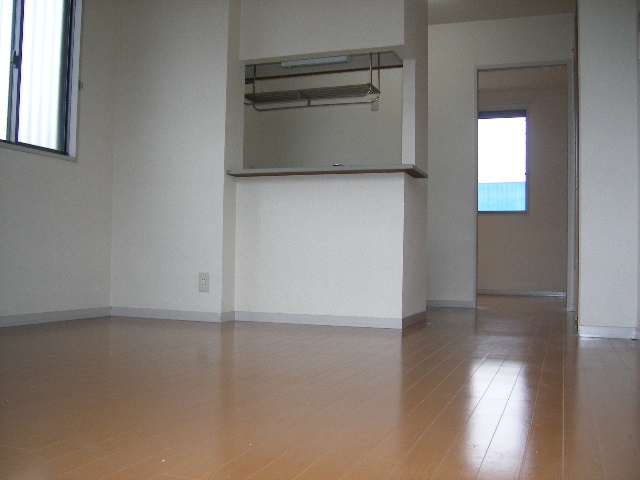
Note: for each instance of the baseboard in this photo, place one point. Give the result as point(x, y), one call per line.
point(48, 317)
point(302, 319)
point(450, 304)
point(161, 314)
point(609, 332)
point(329, 320)
point(525, 293)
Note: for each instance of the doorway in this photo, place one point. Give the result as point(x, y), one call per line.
point(529, 250)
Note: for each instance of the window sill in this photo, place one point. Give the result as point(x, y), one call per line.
point(37, 151)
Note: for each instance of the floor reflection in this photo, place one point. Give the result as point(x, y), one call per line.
point(501, 395)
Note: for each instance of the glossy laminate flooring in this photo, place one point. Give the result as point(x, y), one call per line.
point(507, 391)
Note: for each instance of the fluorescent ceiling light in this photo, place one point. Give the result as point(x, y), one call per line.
point(307, 62)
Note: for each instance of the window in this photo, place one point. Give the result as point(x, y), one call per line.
point(502, 161)
point(37, 65)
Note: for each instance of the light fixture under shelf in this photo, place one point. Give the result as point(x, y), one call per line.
point(307, 62)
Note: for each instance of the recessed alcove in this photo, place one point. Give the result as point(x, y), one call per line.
point(343, 110)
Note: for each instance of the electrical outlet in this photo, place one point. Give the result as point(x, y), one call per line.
point(203, 282)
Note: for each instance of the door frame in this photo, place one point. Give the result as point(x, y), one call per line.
point(572, 171)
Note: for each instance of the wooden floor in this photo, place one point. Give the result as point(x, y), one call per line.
point(506, 391)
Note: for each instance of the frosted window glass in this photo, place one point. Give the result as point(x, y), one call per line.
point(43, 77)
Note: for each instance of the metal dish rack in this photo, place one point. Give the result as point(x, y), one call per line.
point(365, 93)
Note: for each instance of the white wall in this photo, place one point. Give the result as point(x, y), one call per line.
point(455, 50)
point(528, 252)
point(414, 280)
point(283, 28)
point(415, 84)
point(323, 245)
point(148, 206)
point(333, 249)
point(346, 134)
point(55, 215)
point(414, 151)
point(169, 158)
point(233, 157)
point(608, 202)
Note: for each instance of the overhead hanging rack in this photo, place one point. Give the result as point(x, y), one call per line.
point(365, 93)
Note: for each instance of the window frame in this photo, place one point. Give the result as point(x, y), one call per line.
point(488, 113)
point(71, 88)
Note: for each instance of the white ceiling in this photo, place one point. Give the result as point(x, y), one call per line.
point(454, 11)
